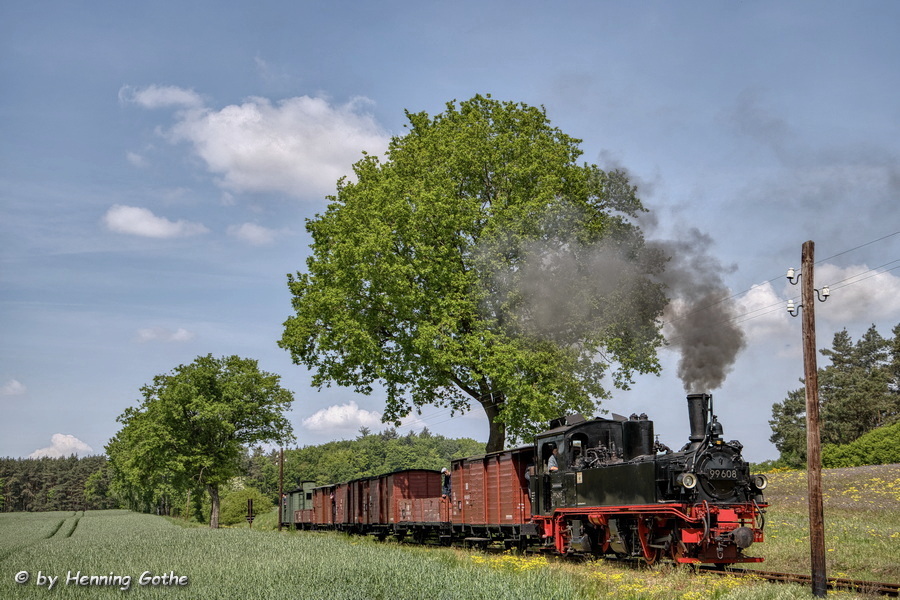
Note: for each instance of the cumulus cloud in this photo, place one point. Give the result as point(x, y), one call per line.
point(762, 313)
point(297, 146)
point(13, 388)
point(859, 294)
point(134, 220)
point(343, 417)
point(253, 234)
point(136, 160)
point(161, 334)
point(160, 96)
point(859, 297)
point(61, 445)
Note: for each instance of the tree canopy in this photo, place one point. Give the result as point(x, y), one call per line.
point(479, 262)
point(190, 430)
point(858, 393)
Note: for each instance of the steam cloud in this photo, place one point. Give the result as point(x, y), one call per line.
point(560, 289)
point(699, 320)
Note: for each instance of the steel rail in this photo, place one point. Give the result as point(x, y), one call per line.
point(833, 583)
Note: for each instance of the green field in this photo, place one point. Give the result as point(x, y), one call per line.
point(861, 507)
point(862, 523)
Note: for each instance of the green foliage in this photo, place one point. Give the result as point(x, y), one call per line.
point(234, 505)
point(369, 454)
point(190, 431)
point(878, 447)
point(858, 392)
point(45, 484)
point(479, 262)
point(789, 428)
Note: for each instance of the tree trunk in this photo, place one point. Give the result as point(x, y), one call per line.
point(214, 506)
point(497, 433)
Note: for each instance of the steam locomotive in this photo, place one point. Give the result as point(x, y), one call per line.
point(609, 489)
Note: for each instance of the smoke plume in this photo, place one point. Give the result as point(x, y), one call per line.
point(559, 289)
point(699, 319)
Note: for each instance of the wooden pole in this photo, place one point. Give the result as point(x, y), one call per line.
point(280, 487)
point(813, 447)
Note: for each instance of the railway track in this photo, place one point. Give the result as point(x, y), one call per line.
point(833, 583)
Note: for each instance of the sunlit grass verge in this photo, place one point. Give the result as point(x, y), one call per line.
point(862, 523)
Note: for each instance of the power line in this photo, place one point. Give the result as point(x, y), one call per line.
point(777, 277)
point(858, 247)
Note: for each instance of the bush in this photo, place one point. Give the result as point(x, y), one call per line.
point(233, 509)
point(878, 447)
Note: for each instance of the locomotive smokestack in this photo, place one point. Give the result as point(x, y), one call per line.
point(698, 413)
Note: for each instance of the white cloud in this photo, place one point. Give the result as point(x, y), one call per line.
point(161, 334)
point(859, 295)
point(136, 160)
point(763, 313)
point(62, 445)
point(253, 234)
point(299, 146)
point(13, 388)
point(134, 220)
point(160, 96)
point(344, 417)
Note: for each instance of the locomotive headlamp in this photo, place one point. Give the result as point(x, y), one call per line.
point(687, 480)
point(760, 481)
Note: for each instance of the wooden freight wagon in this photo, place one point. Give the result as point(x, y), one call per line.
point(376, 513)
point(360, 503)
point(413, 495)
point(490, 494)
point(342, 512)
point(323, 505)
point(299, 505)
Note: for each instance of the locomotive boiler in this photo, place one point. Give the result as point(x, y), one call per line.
point(610, 489)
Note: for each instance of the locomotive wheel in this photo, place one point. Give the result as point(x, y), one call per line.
point(677, 548)
point(645, 533)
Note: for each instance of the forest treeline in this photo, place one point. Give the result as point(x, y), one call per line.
point(42, 484)
point(859, 393)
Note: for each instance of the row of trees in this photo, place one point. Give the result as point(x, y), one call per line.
point(369, 454)
point(41, 484)
point(858, 393)
point(92, 483)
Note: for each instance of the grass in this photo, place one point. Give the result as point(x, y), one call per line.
point(862, 523)
point(861, 513)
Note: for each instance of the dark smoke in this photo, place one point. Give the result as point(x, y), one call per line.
point(559, 289)
point(699, 319)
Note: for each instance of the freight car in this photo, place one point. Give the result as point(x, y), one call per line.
point(614, 491)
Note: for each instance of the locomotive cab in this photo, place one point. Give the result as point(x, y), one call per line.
point(594, 463)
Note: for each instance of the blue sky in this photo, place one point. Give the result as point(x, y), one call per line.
point(157, 163)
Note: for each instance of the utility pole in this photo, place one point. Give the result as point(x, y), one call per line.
point(813, 447)
point(280, 486)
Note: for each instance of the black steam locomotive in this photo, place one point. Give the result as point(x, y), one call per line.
point(618, 491)
point(599, 486)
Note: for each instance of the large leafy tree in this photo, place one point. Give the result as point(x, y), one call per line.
point(858, 392)
point(479, 263)
point(190, 430)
